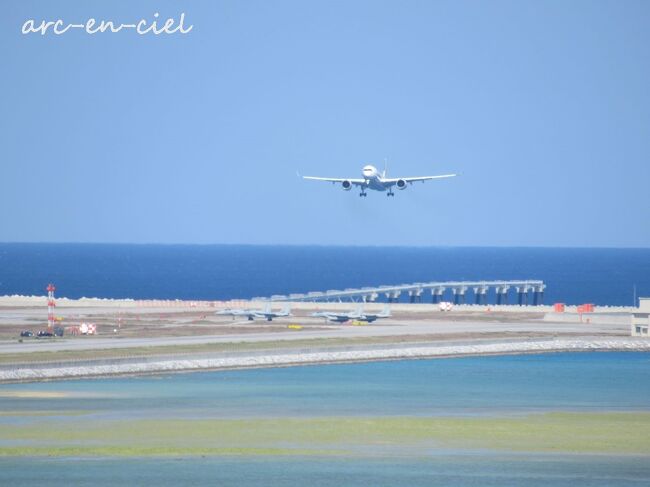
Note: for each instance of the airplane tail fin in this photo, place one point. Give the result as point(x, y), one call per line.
point(287, 308)
point(386, 311)
point(385, 167)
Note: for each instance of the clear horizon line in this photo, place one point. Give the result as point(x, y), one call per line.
point(217, 244)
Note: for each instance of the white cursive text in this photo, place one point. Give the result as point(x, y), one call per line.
point(92, 26)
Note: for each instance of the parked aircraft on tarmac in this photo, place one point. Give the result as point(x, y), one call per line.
point(236, 312)
point(269, 315)
point(377, 181)
point(251, 314)
point(357, 315)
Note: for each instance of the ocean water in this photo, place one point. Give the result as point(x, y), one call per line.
point(221, 272)
point(460, 386)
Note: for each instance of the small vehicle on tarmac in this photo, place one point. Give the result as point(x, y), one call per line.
point(44, 333)
point(26, 333)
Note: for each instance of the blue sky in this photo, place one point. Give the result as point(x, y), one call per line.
point(543, 107)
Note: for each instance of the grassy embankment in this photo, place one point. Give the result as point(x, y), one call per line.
point(599, 433)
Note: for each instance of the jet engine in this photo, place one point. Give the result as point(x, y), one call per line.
point(347, 185)
point(401, 184)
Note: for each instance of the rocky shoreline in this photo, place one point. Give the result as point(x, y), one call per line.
point(35, 372)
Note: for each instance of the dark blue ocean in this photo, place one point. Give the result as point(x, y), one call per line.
point(221, 272)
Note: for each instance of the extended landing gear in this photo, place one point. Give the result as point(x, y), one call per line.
point(390, 194)
point(363, 193)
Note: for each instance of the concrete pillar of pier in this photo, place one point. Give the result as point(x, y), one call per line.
point(393, 297)
point(502, 294)
point(522, 295)
point(415, 295)
point(480, 294)
point(436, 294)
point(459, 294)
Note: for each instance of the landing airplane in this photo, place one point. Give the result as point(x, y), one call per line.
point(357, 315)
point(375, 180)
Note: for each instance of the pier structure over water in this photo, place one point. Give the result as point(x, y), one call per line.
point(527, 292)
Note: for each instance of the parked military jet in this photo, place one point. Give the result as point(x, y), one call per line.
point(357, 315)
point(251, 314)
point(237, 312)
point(269, 315)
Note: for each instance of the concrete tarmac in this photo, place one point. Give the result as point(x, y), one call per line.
point(396, 328)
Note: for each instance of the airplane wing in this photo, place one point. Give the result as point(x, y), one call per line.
point(331, 316)
point(356, 182)
point(392, 181)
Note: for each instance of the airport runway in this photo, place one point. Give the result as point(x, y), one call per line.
point(385, 329)
point(170, 339)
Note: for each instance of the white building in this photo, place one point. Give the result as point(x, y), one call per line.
point(641, 319)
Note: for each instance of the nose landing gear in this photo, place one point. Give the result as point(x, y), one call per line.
point(363, 193)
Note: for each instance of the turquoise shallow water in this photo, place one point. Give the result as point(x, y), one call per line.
point(445, 470)
point(462, 386)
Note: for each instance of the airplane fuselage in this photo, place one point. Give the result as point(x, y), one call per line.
point(373, 178)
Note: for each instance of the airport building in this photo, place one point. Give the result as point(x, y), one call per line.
point(641, 319)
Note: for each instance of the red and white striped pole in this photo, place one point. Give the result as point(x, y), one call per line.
point(50, 305)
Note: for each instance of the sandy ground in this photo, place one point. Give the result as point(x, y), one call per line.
point(165, 328)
